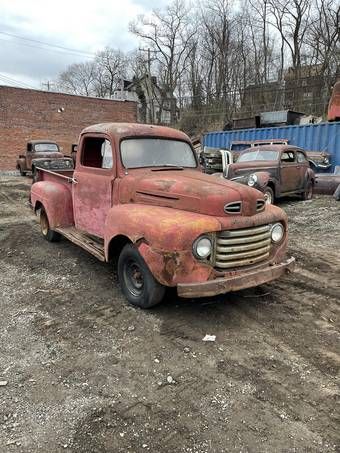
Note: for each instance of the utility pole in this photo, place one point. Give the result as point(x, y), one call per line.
point(48, 85)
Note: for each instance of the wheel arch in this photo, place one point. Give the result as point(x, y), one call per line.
point(115, 246)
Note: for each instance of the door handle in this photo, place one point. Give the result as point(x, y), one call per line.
point(73, 180)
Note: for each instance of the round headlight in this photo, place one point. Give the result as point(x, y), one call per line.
point(202, 247)
point(277, 232)
point(252, 180)
point(326, 160)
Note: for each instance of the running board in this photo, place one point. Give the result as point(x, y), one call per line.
point(86, 242)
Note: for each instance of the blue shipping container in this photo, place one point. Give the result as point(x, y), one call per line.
point(311, 137)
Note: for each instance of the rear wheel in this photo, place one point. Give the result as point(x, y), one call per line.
point(49, 235)
point(138, 284)
point(269, 195)
point(308, 193)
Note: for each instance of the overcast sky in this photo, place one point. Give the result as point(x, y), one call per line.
point(84, 26)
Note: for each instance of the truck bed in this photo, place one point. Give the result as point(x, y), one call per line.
point(62, 176)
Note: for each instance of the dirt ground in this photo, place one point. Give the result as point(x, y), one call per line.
point(81, 371)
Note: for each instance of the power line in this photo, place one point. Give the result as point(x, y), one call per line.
point(42, 48)
point(18, 82)
point(49, 44)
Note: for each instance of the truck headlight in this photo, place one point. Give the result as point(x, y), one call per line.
point(277, 233)
point(202, 247)
point(326, 160)
point(252, 180)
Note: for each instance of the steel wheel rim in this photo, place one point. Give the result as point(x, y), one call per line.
point(133, 278)
point(268, 197)
point(44, 224)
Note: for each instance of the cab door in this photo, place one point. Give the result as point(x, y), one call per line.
point(290, 175)
point(93, 183)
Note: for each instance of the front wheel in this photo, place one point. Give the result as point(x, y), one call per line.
point(269, 195)
point(49, 235)
point(308, 193)
point(137, 283)
point(22, 172)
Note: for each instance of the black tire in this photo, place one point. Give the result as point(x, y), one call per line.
point(308, 192)
point(269, 195)
point(137, 283)
point(49, 235)
point(34, 174)
point(22, 172)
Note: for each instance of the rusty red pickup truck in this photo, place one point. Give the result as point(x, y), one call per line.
point(138, 196)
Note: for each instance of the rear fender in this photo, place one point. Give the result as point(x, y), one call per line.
point(56, 200)
point(21, 164)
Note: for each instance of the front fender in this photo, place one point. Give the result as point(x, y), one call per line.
point(163, 228)
point(56, 200)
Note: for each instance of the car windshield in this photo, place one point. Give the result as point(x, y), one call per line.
point(258, 155)
point(156, 152)
point(46, 147)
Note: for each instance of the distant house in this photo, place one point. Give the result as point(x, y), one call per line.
point(257, 98)
point(305, 89)
point(155, 104)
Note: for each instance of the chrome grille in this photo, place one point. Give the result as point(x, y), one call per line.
point(260, 204)
point(233, 208)
point(243, 247)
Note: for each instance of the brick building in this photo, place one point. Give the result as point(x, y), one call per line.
point(32, 114)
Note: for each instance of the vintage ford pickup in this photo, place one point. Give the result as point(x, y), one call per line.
point(42, 154)
point(139, 196)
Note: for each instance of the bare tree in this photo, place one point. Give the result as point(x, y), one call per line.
point(78, 79)
point(168, 34)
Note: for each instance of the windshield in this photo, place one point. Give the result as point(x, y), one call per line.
point(239, 146)
point(258, 155)
point(156, 152)
point(46, 147)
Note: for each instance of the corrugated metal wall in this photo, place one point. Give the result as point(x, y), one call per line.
point(311, 137)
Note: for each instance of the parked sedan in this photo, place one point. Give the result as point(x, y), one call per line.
point(276, 170)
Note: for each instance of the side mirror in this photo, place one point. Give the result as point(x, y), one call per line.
point(29, 147)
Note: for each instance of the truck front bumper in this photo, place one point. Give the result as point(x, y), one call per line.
point(245, 280)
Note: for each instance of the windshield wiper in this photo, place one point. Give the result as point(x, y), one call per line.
point(168, 167)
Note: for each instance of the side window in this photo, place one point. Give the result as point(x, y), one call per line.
point(96, 153)
point(288, 156)
point(301, 157)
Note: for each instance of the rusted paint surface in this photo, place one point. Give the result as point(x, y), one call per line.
point(163, 213)
point(327, 183)
point(285, 177)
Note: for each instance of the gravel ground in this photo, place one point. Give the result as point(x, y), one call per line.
point(81, 371)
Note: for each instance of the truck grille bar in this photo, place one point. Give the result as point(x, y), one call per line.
point(243, 247)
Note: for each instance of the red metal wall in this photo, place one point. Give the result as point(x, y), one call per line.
point(32, 114)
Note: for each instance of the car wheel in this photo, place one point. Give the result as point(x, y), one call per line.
point(308, 193)
point(269, 195)
point(137, 283)
point(49, 235)
point(34, 174)
point(22, 172)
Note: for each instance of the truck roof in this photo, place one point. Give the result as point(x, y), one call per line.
point(34, 142)
point(121, 130)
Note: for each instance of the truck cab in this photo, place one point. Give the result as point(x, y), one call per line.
point(43, 154)
point(137, 196)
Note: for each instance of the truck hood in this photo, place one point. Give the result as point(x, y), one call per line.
point(48, 155)
point(190, 190)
